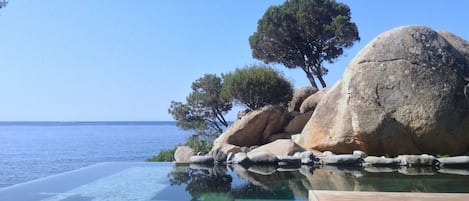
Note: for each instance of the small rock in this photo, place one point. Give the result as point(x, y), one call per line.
point(262, 157)
point(360, 153)
point(240, 158)
point(280, 147)
point(381, 161)
point(418, 160)
point(327, 153)
point(454, 161)
point(183, 154)
point(218, 156)
point(299, 95)
point(245, 149)
point(341, 159)
point(201, 159)
point(296, 138)
point(289, 161)
point(305, 156)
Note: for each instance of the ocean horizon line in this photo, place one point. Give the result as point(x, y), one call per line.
point(64, 123)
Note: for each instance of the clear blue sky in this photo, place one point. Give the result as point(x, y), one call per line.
point(126, 60)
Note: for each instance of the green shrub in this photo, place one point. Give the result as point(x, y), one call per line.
point(164, 156)
point(256, 86)
point(194, 142)
point(199, 145)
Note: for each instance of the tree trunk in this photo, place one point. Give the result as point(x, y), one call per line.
point(323, 83)
point(310, 77)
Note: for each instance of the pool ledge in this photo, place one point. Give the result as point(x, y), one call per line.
point(319, 195)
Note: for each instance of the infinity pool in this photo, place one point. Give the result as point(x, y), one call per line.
point(167, 181)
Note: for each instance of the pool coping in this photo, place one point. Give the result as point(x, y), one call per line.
point(322, 195)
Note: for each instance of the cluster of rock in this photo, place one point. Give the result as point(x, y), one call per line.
point(406, 92)
point(296, 156)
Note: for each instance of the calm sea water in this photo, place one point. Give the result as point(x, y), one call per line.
point(31, 150)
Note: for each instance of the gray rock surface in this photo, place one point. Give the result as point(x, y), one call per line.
point(299, 95)
point(183, 154)
point(362, 154)
point(307, 157)
point(402, 94)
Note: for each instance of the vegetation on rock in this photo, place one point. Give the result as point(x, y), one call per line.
point(164, 156)
point(303, 34)
point(194, 142)
point(257, 86)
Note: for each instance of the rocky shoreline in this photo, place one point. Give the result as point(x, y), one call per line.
point(299, 159)
point(403, 96)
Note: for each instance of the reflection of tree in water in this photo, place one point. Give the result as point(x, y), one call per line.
point(213, 183)
point(201, 181)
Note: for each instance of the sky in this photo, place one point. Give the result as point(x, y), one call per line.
point(116, 60)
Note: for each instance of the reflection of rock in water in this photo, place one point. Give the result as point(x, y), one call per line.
point(377, 169)
point(417, 170)
point(266, 182)
point(327, 178)
point(454, 171)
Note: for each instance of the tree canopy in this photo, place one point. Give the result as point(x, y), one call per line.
point(303, 34)
point(205, 108)
point(3, 3)
point(256, 86)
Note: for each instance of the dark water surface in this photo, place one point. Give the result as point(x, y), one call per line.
point(31, 150)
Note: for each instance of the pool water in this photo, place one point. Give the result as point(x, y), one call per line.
point(141, 181)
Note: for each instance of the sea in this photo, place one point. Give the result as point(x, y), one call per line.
point(32, 150)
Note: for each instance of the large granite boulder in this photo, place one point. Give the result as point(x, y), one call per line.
point(297, 123)
point(254, 128)
point(310, 103)
point(280, 147)
point(183, 154)
point(299, 95)
point(402, 94)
